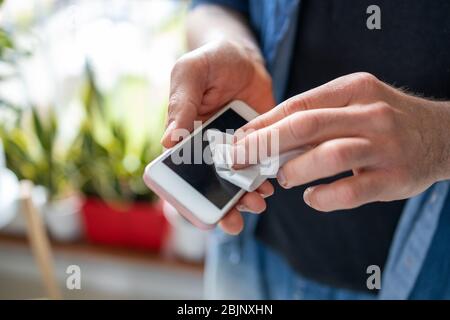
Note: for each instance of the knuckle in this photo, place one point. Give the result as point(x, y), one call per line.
point(295, 104)
point(336, 156)
point(289, 107)
point(365, 78)
point(225, 44)
point(293, 128)
point(304, 125)
point(173, 104)
point(262, 121)
point(179, 66)
point(310, 124)
point(190, 63)
point(365, 81)
point(384, 115)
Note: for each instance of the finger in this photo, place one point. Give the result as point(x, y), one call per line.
point(300, 129)
point(339, 92)
point(187, 85)
point(251, 202)
point(347, 193)
point(232, 223)
point(265, 190)
point(326, 160)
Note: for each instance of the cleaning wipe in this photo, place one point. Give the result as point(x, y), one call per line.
point(249, 178)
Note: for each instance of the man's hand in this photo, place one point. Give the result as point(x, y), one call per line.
point(396, 144)
point(202, 82)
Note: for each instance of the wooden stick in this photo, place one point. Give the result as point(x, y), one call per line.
point(39, 241)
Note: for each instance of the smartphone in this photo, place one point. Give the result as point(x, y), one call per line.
point(193, 186)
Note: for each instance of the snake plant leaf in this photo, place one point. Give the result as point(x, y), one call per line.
point(18, 159)
point(5, 43)
point(53, 126)
point(119, 135)
point(41, 134)
point(93, 99)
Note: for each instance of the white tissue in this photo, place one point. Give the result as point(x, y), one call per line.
point(249, 178)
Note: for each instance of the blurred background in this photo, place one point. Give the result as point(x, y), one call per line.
point(83, 96)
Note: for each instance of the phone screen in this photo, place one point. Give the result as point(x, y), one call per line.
point(202, 176)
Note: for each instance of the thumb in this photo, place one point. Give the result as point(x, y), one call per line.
point(187, 87)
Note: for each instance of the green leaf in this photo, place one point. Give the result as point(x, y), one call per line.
point(39, 129)
point(53, 126)
point(16, 156)
point(93, 100)
point(5, 42)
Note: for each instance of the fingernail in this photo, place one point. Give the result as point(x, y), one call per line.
point(265, 195)
point(168, 131)
point(242, 208)
point(282, 179)
point(307, 195)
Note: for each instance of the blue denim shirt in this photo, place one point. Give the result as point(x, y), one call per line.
point(418, 265)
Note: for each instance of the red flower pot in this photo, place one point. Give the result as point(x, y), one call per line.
point(137, 225)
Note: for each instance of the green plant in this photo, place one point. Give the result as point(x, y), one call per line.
point(5, 42)
point(32, 153)
point(30, 142)
point(7, 49)
point(110, 151)
point(107, 157)
point(110, 157)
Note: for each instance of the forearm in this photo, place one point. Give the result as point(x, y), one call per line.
point(208, 23)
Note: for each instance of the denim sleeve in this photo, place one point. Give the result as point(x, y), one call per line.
point(238, 5)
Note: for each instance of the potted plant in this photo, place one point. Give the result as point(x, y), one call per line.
point(9, 184)
point(32, 152)
point(118, 208)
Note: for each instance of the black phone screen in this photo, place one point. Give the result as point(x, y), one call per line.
point(202, 175)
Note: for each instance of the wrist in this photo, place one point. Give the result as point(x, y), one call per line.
point(441, 112)
point(253, 51)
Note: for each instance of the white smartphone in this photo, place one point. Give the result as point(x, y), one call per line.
point(194, 188)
